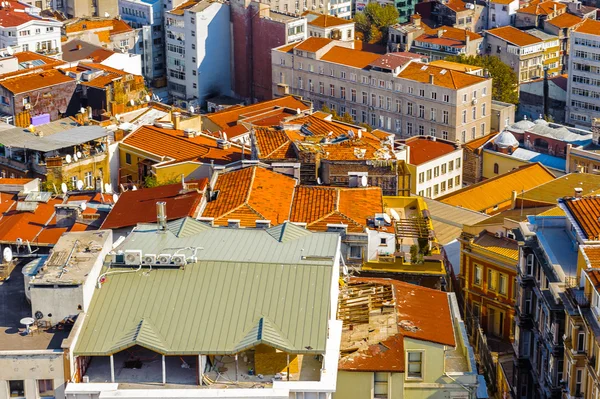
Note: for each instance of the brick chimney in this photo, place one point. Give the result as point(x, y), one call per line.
point(176, 120)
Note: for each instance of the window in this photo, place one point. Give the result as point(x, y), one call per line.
point(332, 90)
point(398, 106)
point(429, 175)
point(444, 166)
point(355, 252)
point(450, 166)
point(484, 92)
point(321, 88)
point(409, 108)
point(46, 388)
point(445, 117)
point(421, 130)
point(380, 385)
point(415, 365)
point(443, 186)
point(432, 114)
point(529, 265)
point(503, 284)
point(382, 241)
point(464, 116)
point(446, 98)
point(422, 177)
point(73, 181)
point(436, 171)
point(88, 181)
point(474, 112)
point(434, 95)
point(465, 98)
point(16, 389)
point(450, 184)
point(365, 97)
point(436, 189)
point(457, 163)
point(483, 129)
point(300, 85)
point(445, 134)
point(496, 168)
point(428, 191)
point(457, 181)
point(478, 277)
point(26, 100)
point(343, 93)
point(482, 109)
point(421, 111)
point(353, 95)
point(581, 341)
point(491, 280)
point(422, 92)
point(578, 381)
point(409, 129)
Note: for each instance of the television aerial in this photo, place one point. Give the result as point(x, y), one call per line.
point(79, 184)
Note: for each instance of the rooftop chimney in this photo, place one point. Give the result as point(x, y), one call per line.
point(440, 32)
point(415, 19)
point(578, 192)
point(161, 216)
point(79, 47)
point(176, 120)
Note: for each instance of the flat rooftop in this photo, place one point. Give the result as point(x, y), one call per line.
point(13, 307)
point(72, 258)
point(558, 246)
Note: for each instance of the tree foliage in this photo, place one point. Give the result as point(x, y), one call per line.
point(374, 21)
point(505, 84)
point(346, 118)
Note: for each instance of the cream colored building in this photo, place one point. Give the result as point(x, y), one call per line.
point(395, 92)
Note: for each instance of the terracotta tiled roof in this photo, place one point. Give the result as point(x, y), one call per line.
point(6, 180)
point(565, 20)
point(514, 36)
point(442, 77)
point(176, 148)
point(542, 7)
point(423, 150)
point(101, 54)
point(319, 206)
point(231, 116)
point(506, 2)
point(275, 144)
point(139, 206)
point(434, 325)
point(455, 66)
point(38, 79)
point(24, 56)
point(350, 57)
point(594, 275)
point(251, 194)
point(586, 211)
point(478, 142)
point(498, 245)
point(325, 21)
point(456, 5)
point(313, 44)
point(394, 60)
point(120, 26)
point(488, 193)
point(592, 253)
point(589, 26)
point(184, 6)
point(9, 18)
point(453, 37)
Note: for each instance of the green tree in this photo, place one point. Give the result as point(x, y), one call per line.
point(374, 22)
point(505, 83)
point(346, 118)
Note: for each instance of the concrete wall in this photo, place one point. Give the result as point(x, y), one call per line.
point(31, 366)
point(354, 384)
point(130, 63)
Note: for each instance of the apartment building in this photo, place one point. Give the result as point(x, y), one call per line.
point(146, 16)
point(537, 12)
point(198, 52)
point(458, 13)
point(112, 33)
point(86, 8)
point(23, 29)
point(562, 26)
point(435, 166)
point(501, 13)
point(523, 52)
point(552, 60)
point(583, 92)
point(393, 92)
point(323, 25)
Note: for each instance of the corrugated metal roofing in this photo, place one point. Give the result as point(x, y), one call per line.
point(20, 138)
point(211, 308)
point(448, 220)
point(236, 245)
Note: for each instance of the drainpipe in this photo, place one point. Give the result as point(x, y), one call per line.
point(546, 92)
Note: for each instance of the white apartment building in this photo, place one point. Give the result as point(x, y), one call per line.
point(435, 166)
point(198, 52)
point(337, 8)
point(23, 29)
point(501, 12)
point(583, 90)
point(323, 25)
point(394, 92)
point(146, 16)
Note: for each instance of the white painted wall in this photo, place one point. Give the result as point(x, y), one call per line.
point(39, 31)
point(128, 62)
point(503, 17)
point(444, 159)
point(30, 366)
point(374, 244)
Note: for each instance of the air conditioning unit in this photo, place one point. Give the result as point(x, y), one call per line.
point(85, 379)
point(133, 257)
point(149, 259)
point(499, 234)
point(178, 260)
point(474, 101)
point(27, 106)
point(164, 259)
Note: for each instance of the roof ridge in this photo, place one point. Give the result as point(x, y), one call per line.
point(251, 185)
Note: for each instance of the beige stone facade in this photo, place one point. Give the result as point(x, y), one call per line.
point(392, 100)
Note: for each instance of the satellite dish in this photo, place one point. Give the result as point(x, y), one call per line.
point(319, 181)
point(82, 110)
point(147, 98)
point(10, 51)
point(224, 136)
point(63, 188)
point(364, 181)
point(134, 188)
point(79, 184)
point(106, 15)
point(192, 109)
point(387, 218)
point(107, 188)
point(75, 158)
point(83, 206)
point(68, 158)
point(132, 103)
point(115, 198)
point(394, 214)
point(78, 154)
point(7, 254)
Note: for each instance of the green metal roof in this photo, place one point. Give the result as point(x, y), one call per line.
point(249, 287)
point(210, 308)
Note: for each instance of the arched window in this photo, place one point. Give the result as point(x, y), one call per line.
point(496, 168)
